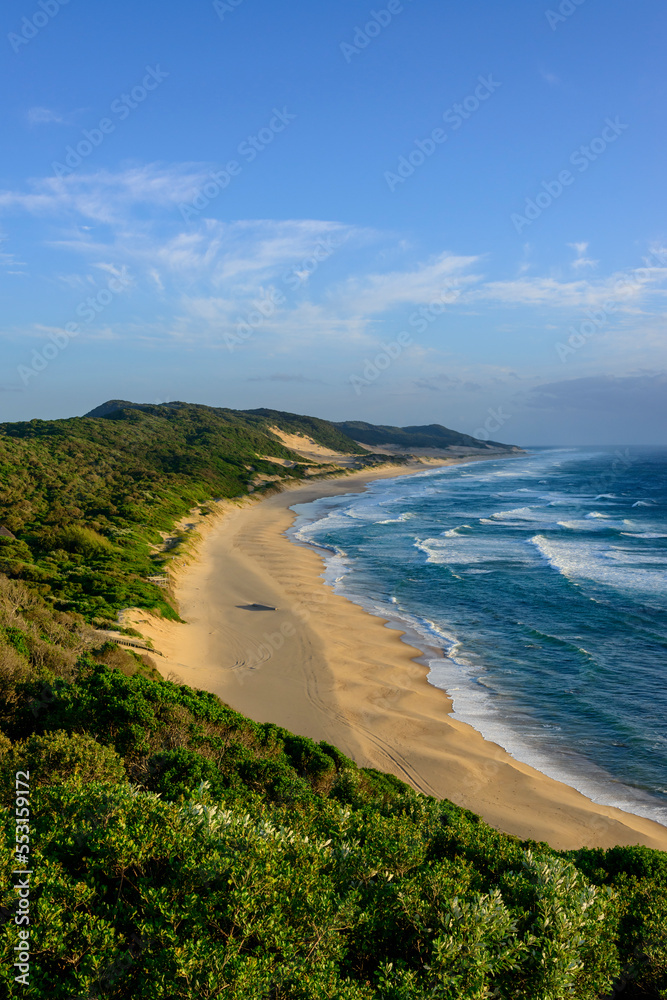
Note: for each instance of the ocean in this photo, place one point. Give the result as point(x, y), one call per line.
point(543, 580)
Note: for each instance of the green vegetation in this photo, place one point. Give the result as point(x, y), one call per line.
point(87, 498)
point(429, 436)
point(180, 850)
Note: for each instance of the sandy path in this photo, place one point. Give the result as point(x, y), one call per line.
point(322, 667)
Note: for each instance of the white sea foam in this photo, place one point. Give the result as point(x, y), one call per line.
point(643, 534)
point(519, 513)
point(520, 517)
point(397, 520)
point(591, 561)
point(594, 524)
point(483, 709)
point(466, 550)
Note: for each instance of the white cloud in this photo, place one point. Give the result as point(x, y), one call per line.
point(376, 293)
point(581, 260)
point(625, 289)
point(44, 116)
point(104, 196)
point(9, 259)
point(210, 273)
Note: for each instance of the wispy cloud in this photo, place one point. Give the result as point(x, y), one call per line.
point(7, 258)
point(45, 116)
point(581, 260)
point(105, 196)
point(376, 293)
point(209, 274)
point(628, 295)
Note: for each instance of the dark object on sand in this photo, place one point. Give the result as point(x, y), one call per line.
point(255, 607)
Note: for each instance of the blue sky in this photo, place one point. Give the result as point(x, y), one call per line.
point(411, 212)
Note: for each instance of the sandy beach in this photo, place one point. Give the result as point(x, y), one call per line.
point(320, 666)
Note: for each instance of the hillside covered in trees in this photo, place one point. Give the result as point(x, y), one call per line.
point(180, 850)
point(83, 501)
point(432, 436)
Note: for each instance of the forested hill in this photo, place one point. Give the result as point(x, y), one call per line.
point(83, 501)
point(259, 421)
point(431, 436)
point(347, 437)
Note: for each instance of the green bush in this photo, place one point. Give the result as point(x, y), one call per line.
point(146, 898)
point(59, 756)
point(85, 541)
point(248, 860)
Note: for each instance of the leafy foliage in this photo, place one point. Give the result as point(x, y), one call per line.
point(182, 850)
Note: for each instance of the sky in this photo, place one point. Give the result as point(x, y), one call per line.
point(407, 213)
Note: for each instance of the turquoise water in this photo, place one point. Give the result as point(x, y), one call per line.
point(544, 581)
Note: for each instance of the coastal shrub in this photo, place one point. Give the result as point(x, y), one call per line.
point(569, 929)
point(125, 660)
point(175, 774)
point(476, 944)
point(13, 670)
point(82, 540)
point(638, 876)
point(57, 757)
point(16, 638)
point(232, 867)
point(144, 897)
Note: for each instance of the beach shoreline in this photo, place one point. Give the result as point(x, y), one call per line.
point(313, 662)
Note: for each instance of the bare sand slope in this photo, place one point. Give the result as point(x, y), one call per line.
point(321, 667)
